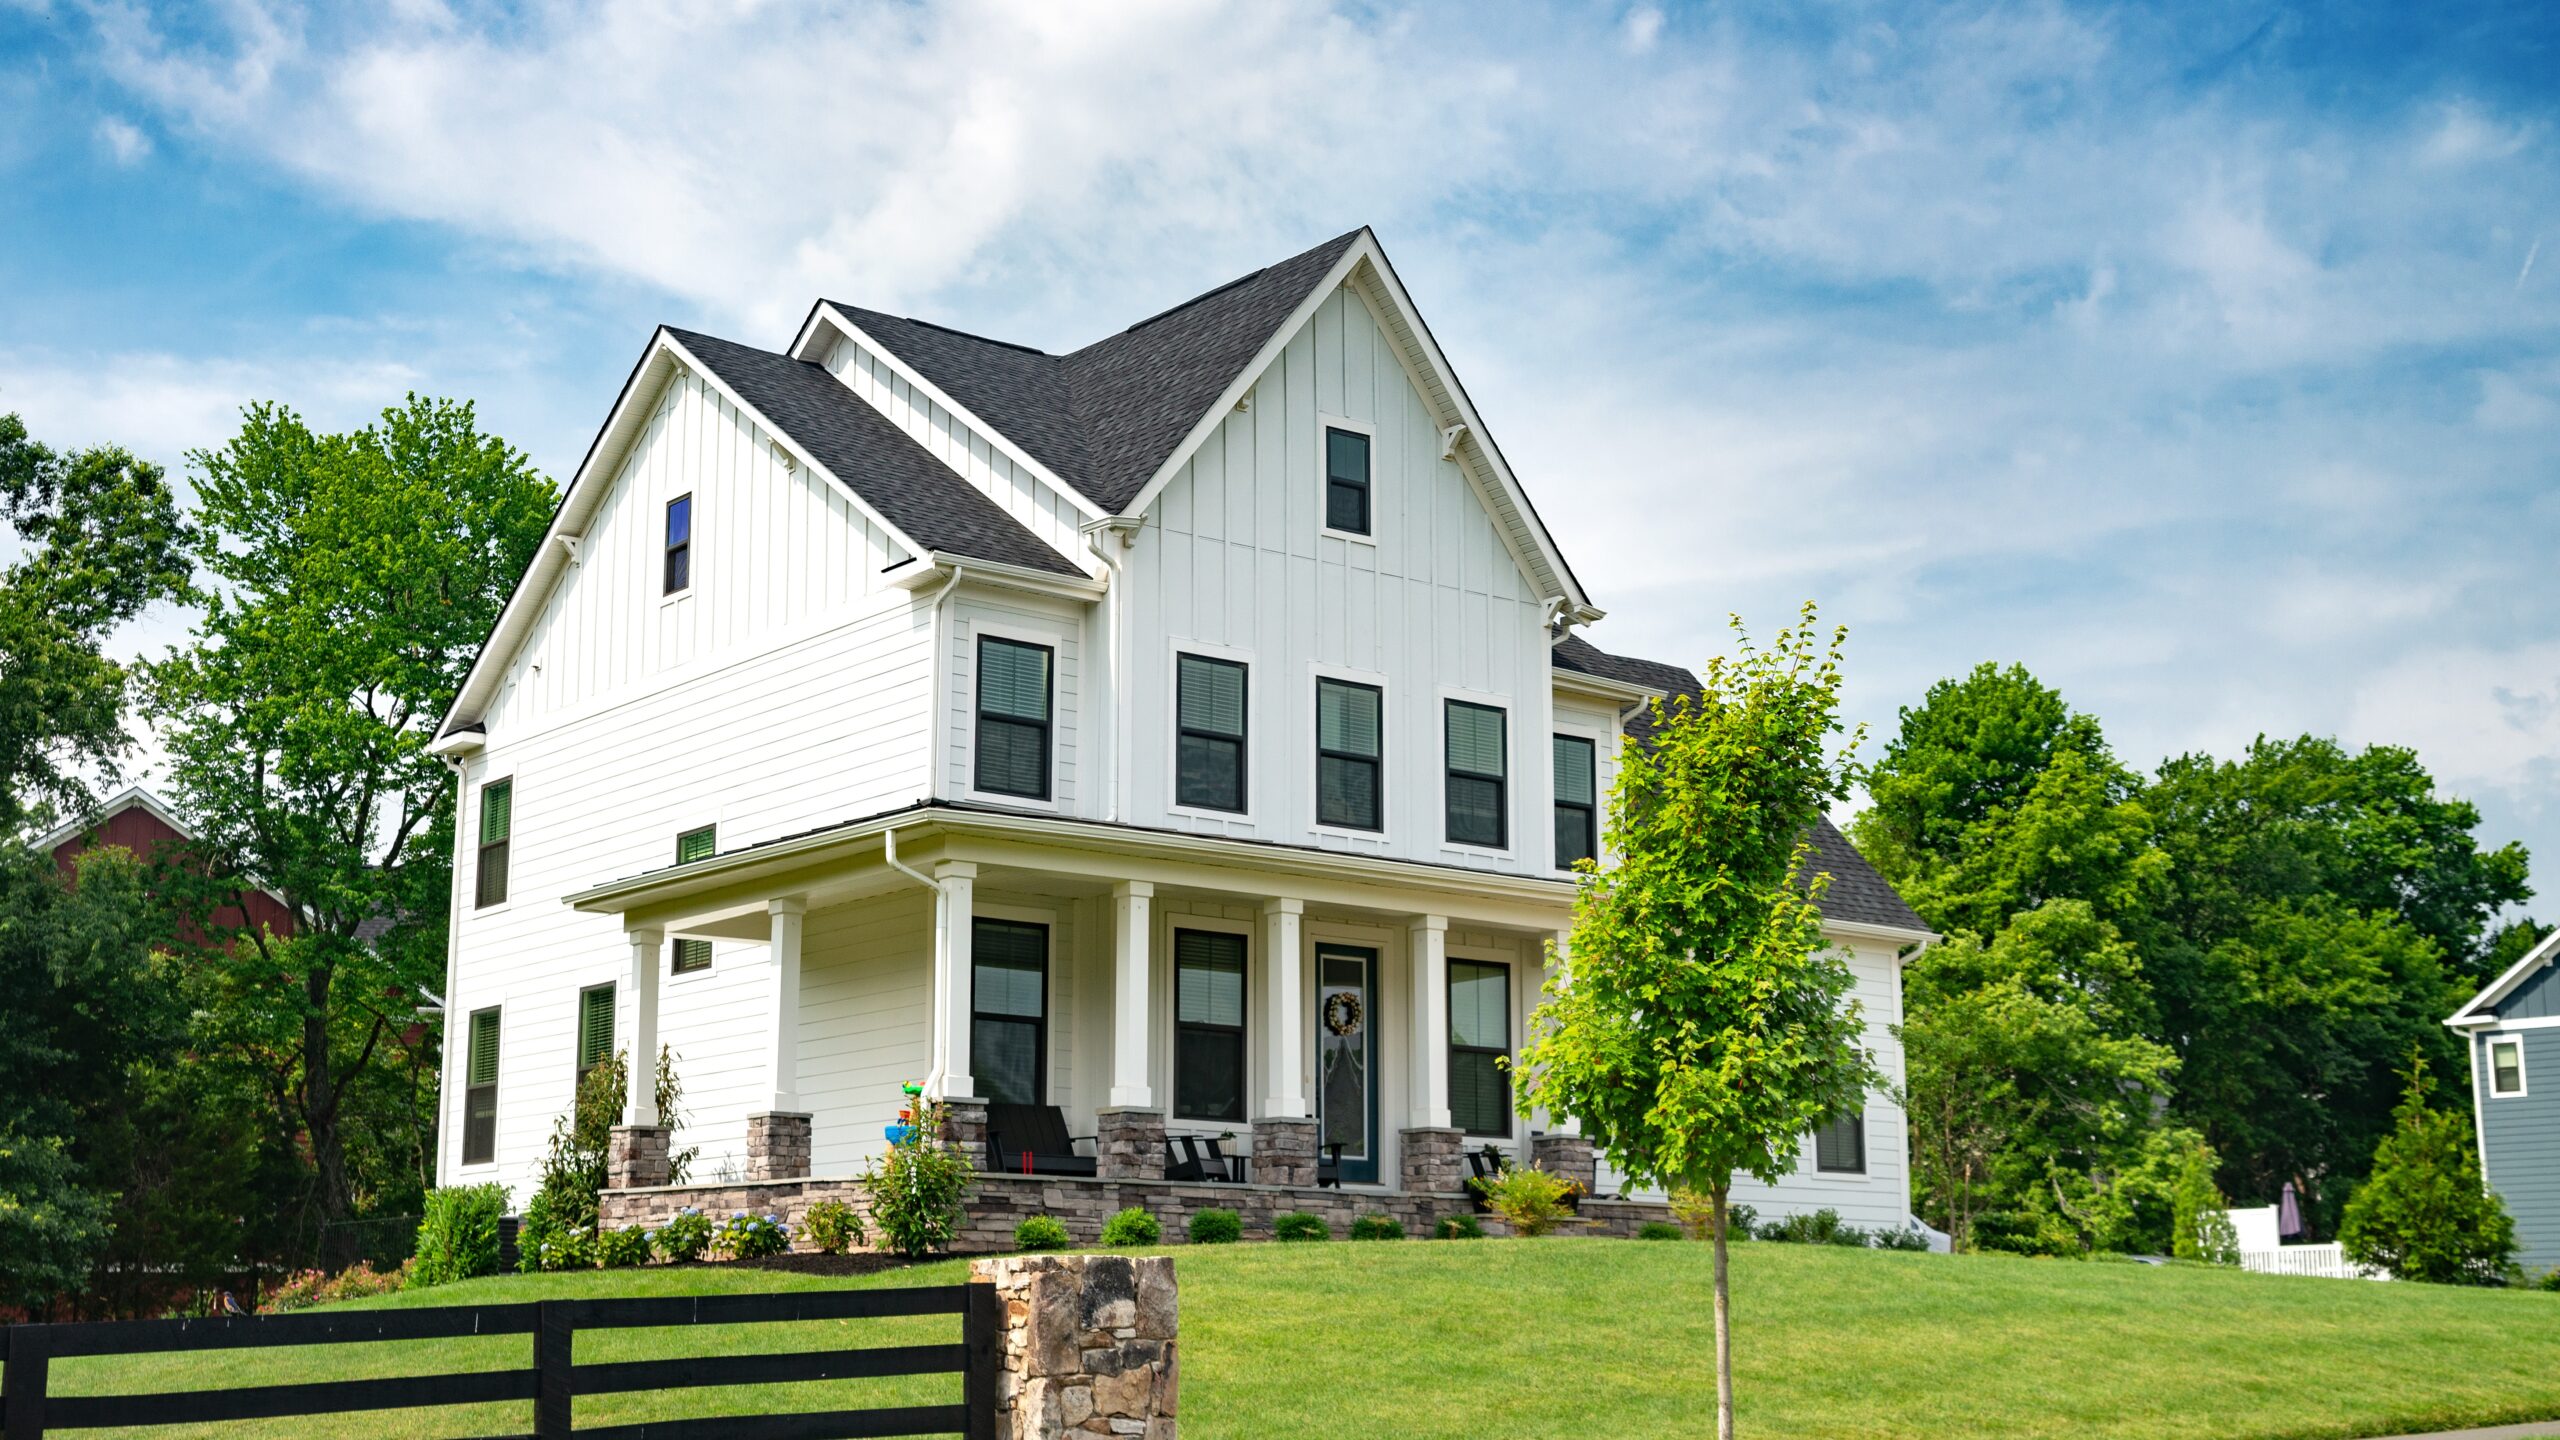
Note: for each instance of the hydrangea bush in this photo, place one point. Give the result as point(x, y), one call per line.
point(752, 1237)
point(685, 1236)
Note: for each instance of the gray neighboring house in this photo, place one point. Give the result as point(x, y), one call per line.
point(2513, 1031)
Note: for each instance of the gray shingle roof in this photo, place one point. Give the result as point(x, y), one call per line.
point(1105, 418)
point(1857, 893)
point(879, 462)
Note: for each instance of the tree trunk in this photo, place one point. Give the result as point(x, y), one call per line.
point(320, 1121)
point(1724, 1316)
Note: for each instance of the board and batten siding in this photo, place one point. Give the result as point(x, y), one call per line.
point(2520, 1138)
point(1235, 560)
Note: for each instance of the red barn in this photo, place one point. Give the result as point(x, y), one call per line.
point(136, 820)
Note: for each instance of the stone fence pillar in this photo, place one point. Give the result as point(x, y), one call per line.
point(1088, 1345)
point(1128, 1143)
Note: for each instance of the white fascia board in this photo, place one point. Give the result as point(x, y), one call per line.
point(803, 348)
point(458, 742)
point(1861, 930)
point(941, 566)
point(2497, 990)
point(1599, 687)
point(118, 803)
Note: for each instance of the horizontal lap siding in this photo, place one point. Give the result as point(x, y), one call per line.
point(2521, 1139)
point(866, 1010)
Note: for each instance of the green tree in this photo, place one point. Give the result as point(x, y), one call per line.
point(2424, 1214)
point(1698, 1025)
point(2202, 1228)
point(352, 579)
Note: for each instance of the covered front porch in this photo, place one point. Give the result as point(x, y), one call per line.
point(1296, 1005)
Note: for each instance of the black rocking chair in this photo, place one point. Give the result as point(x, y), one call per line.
point(1033, 1140)
point(1329, 1165)
point(1197, 1159)
point(1483, 1164)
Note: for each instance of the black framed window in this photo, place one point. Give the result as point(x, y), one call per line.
point(1013, 718)
point(497, 823)
point(1208, 1025)
point(595, 1028)
point(1346, 481)
point(679, 573)
point(1479, 1036)
point(1009, 1011)
point(480, 1091)
point(1209, 743)
point(1349, 734)
point(1840, 1146)
point(692, 845)
point(1479, 787)
point(1577, 800)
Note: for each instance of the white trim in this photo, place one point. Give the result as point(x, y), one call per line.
point(1168, 1028)
point(1603, 742)
point(2479, 1110)
point(1324, 476)
point(940, 564)
point(1510, 712)
point(2499, 988)
point(108, 809)
point(1057, 1080)
point(1053, 641)
point(1318, 670)
point(1175, 648)
point(1861, 930)
point(2489, 1045)
point(2492, 1024)
point(497, 1095)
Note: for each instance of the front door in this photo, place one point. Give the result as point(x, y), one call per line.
point(1346, 1061)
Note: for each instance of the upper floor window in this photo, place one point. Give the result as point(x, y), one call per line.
point(1479, 1036)
point(1478, 783)
point(480, 1091)
point(2506, 1067)
point(595, 1028)
point(1346, 481)
point(1208, 1025)
point(497, 822)
point(1577, 801)
point(692, 845)
point(1009, 1011)
point(1348, 761)
point(1209, 719)
point(1013, 718)
point(1840, 1146)
point(679, 545)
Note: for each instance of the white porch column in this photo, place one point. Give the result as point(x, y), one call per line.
point(1284, 1005)
point(1132, 934)
point(782, 1010)
point(1427, 962)
point(954, 904)
point(640, 1102)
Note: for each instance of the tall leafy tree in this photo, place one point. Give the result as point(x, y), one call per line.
point(1698, 1025)
point(351, 580)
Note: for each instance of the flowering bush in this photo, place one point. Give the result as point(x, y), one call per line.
point(685, 1236)
point(312, 1287)
point(749, 1237)
point(832, 1226)
point(556, 1249)
point(623, 1248)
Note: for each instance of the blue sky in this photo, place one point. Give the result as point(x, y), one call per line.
point(2204, 359)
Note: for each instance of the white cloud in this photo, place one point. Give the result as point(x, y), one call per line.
point(1641, 28)
point(2481, 717)
point(126, 144)
point(160, 405)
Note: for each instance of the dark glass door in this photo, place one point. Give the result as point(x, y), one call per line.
point(1346, 1061)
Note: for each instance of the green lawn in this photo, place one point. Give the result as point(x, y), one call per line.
point(1593, 1337)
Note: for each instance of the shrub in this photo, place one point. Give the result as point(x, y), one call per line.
point(458, 1235)
point(752, 1237)
point(2200, 1223)
point(1898, 1237)
point(2550, 1279)
point(1458, 1227)
point(573, 1168)
point(1217, 1227)
point(1377, 1227)
point(1696, 1214)
point(1821, 1227)
point(685, 1236)
point(1040, 1232)
point(548, 1239)
point(621, 1249)
point(1132, 1226)
point(832, 1225)
point(2423, 1214)
point(1660, 1230)
point(1299, 1225)
point(1531, 1201)
point(297, 1291)
point(916, 1188)
point(306, 1288)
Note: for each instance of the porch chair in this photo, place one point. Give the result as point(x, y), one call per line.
point(1033, 1140)
point(1197, 1159)
point(1329, 1165)
point(1483, 1163)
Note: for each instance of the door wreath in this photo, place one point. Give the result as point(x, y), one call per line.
point(1342, 1013)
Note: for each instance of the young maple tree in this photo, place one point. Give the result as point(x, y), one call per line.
point(1697, 1023)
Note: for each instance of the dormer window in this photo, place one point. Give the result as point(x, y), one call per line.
point(1346, 481)
point(679, 569)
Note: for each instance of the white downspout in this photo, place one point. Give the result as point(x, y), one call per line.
point(889, 855)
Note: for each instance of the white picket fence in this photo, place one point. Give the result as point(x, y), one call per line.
point(2329, 1261)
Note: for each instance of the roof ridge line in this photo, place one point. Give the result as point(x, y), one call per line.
point(1173, 310)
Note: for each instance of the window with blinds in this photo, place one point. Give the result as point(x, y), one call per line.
point(679, 559)
point(497, 822)
point(1009, 1011)
point(1840, 1146)
point(1346, 481)
point(480, 1091)
point(1479, 1036)
point(1348, 766)
point(595, 1028)
point(692, 845)
point(1577, 801)
point(1209, 739)
point(1208, 1025)
point(1478, 788)
point(1013, 718)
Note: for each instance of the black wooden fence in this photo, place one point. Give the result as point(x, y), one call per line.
point(28, 1412)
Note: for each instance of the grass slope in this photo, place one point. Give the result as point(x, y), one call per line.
point(1588, 1337)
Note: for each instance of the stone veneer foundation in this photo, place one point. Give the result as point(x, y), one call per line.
point(1089, 1346)
point(1128, 1144)
point(777, 1146)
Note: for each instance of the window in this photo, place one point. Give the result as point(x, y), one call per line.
point(1209, 721)
point(595, 1028)
point(692, 845)
point(1840, 1146)
point(1208, 1025)
point(1347, 766)
point(1577, 801)
point(480, 1091)
point(1013, 718)
point(1346, 481)
point(497, 822)
point(1479, 1036)
point(1009, 1014)
point(1478, 792)
point(2506, 1067)
point(679, 575)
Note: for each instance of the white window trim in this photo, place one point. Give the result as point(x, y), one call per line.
point(670, 975)
point(1510, 773)
point(1168, 1012)
point(2516, 1043)
point(1324, 474)
point(622, 1028)
point(1061, 1082)
point(1053, 641)
point(1603, 769)
point(479, 802)
point(1313, 736)
point(1253, 686)
point(1518, 967)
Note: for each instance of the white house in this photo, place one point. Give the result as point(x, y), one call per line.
point(1191, 732)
